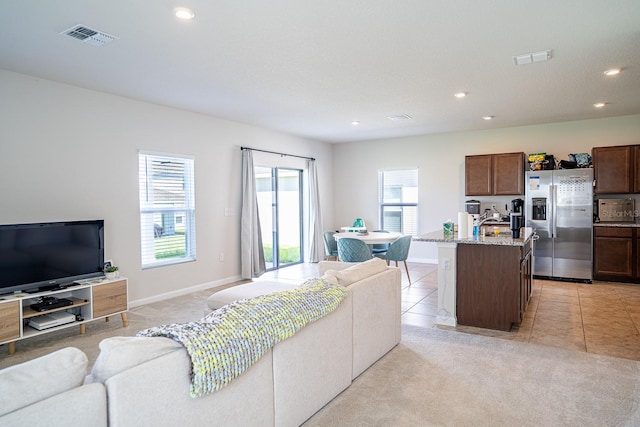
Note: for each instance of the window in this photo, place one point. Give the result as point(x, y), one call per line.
point(398, 197)
point(167, 209)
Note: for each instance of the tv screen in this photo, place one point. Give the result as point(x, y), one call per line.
point(45, 256)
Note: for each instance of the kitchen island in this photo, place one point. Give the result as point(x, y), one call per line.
point(483, 281)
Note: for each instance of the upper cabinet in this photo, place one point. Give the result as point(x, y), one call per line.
point(494, 174)
point(614, 169)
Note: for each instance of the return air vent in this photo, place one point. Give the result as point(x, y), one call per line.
point(399, 117)
point(89, 36)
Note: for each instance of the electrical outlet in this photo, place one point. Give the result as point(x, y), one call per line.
point(446, 263)
point(221, 256)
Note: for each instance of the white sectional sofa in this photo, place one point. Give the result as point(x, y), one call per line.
point(145, 381)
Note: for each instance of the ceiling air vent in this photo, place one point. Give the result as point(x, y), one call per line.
point(529, 58)
point(399, 117)
point(88, 35)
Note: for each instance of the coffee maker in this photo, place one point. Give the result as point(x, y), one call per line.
point(516, 217)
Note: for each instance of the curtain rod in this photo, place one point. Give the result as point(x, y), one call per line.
point(275, 152)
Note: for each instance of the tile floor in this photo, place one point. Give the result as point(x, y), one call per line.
point(601, 317)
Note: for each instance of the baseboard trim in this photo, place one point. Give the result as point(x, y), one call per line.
point(184, 291)
point(423, 260)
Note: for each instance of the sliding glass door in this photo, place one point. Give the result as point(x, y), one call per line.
point(280, 208)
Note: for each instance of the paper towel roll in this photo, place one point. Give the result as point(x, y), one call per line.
point(470, 226)
point(463, 224)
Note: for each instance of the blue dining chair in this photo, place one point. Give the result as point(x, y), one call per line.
point(399, 251)
point(353, 250)
point(379, 248)
point(330, 245)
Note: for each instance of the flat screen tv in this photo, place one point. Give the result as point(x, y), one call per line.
point(47, 256)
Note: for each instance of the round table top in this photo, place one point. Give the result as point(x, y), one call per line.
point(371, 238)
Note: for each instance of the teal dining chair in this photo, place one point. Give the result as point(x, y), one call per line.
point(353, 250)
point(379, 248)
point(330, 245)
point(399, 251)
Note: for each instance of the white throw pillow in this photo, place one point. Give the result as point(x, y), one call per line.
point(359, 271)
point(118, 354)
point(38, 379)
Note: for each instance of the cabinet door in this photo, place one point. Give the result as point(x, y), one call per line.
point(526, 281)
point(634, 168)
point(478, 176)
point(109, 298)
point(613, 257)
point(9, 321)
point(508, 174)
point(612, 168)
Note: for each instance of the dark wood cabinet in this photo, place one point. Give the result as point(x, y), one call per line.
point(478, 175)
point(634, 169)
point(615, 253)
point(493, 285)
point(614, 169)
point(494, 174)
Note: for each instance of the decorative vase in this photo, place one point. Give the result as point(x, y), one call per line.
point(111, 274)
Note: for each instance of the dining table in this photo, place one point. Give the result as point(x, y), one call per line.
point(371, 237)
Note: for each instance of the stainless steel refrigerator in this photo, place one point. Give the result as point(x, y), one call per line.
point(559, 205)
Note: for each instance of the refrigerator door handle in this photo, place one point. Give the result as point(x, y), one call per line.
point(552, 213)
point(554, 207)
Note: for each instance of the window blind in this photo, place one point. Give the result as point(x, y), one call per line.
point(398, 200)
point(167, 209)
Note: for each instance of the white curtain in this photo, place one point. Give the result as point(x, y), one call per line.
point(252, 256)
point(316, 245)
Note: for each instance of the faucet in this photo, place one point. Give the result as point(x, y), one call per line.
point(483, 220)
point(487, 219)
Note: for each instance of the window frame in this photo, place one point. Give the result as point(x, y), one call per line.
point(147, 207)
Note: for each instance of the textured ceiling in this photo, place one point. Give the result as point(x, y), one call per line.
point(311, 68)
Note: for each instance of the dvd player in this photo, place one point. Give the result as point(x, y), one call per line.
point(49, 303)
point(52, 319)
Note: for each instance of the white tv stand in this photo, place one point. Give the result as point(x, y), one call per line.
point(92, 299)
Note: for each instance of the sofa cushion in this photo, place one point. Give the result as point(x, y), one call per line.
point(357, 272)
point(38, 379)
point(118, 354)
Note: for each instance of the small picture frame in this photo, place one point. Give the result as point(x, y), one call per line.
point(106, 265)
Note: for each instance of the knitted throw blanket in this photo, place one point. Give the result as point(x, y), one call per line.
point(228, 341)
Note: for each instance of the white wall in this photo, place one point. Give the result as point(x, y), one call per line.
point(440, 159)
point(71, 154)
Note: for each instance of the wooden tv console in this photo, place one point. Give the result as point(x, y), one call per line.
point(92, 299)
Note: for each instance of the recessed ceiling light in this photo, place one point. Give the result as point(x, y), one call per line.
point(460, 94)
point(355, 123)
point(612, 72)
point(184, 13)
point(600, 104)
point(487, 117)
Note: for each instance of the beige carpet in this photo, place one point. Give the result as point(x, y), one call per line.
point(434, 377)
point(445, 378)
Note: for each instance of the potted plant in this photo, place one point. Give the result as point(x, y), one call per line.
point(111, 272)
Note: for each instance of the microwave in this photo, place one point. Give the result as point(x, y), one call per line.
point(616, 210)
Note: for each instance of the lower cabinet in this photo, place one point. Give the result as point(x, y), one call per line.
point(493, 284)
point(615, 253)
point(90, 300)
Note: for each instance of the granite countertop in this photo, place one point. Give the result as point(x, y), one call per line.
point(501, 239)
point(616, 224)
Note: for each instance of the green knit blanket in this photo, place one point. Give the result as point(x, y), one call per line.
point(228, 341)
